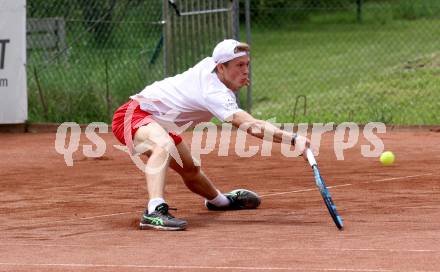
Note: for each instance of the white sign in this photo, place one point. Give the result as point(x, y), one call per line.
point(13, 94)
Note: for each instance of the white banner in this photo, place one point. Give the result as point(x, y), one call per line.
point(13, 94)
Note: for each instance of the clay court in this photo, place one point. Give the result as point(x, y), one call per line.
point(85, 217)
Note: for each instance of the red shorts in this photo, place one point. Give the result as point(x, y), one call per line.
point(128, 118)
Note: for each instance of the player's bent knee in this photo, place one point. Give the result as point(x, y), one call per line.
point(165, 143)
point(153, 138)
point(190, 173)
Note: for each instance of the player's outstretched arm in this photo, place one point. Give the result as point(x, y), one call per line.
point(259, 128)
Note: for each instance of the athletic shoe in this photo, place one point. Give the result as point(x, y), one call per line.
point(239, 199)
point(161, 219)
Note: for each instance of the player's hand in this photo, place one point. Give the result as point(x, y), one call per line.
point(301, 144)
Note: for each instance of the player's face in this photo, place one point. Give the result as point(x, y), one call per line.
point(236, 73)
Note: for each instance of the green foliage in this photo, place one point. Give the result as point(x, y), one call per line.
point(102, 66)
point(412, 10)
point(98, 17)
point(279, 12)
point(385, 69)
point(49, 8)
point(284, 12)
point(357, 73)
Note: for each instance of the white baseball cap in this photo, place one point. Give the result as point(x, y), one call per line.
point(227, 50)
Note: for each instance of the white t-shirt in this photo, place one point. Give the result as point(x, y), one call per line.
point(194, 96)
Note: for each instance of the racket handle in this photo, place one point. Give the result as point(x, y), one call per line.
point(310, 157)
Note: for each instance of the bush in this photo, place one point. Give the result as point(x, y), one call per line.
point(280, 12)
point(412, 10)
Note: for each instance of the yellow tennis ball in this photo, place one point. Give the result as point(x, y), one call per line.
point(387, 158)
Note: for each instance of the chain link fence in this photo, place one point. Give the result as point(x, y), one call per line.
point(312, 60)
point(341, 60)
point(86, 57)
point(193, 28)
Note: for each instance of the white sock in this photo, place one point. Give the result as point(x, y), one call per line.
point(153, 203)
point(220, 200)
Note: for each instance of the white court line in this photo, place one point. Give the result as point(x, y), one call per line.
point(265, 195)
point(303, 190)
point(30, 224)
point(348, 184)
point(234, 247)
point(420, 207)
point(389, 179)
point(107, 215)
point(179, 267)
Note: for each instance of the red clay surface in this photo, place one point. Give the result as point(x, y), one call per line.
point(85, 217)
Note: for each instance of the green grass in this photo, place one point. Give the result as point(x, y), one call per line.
point(348, 72)
point(384, 69)
point(76, 89)
point(92, 79)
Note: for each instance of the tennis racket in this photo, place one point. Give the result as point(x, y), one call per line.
point(324, 191)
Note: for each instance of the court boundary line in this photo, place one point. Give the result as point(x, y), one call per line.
point(180, 267)
point(262, 196)
point(348, 184)
point(233, 247)
point(74, 219)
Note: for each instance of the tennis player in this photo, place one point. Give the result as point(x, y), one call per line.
point(145, 125)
